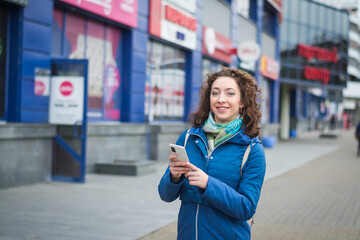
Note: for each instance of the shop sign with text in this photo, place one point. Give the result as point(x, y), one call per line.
point(122, 11)
point(216, 45)
point(269, 67)
point(248, 51)
point(172, 23)
point(322, 54)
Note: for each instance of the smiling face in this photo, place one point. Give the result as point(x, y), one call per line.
point(225, 99)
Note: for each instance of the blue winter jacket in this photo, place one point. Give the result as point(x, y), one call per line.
point(221, 210)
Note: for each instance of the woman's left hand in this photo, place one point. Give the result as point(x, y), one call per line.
point(196, 176)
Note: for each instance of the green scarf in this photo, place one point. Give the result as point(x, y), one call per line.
point(217, 133)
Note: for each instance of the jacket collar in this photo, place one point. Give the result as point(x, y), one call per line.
point(239, 138)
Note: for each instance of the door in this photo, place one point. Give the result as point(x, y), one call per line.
point(67, 110)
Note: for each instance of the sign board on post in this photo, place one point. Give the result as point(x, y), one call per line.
point(66, 100)
point(248, 51)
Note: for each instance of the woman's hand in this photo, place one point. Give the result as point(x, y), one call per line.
point(177, 168)
point(196, 176)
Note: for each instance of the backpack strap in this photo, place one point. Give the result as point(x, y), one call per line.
point(245, 158)
point(186, 137)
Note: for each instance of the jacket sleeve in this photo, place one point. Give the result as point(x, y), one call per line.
point(168, 190)
point(241, 203)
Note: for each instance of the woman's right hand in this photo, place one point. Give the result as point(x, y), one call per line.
point(177, 168)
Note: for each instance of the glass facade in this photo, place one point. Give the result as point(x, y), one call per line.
point(76, 37)
point(3, 24)
point(313, 43)
point(165, 83)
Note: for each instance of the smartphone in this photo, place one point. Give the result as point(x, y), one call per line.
point(180, 152)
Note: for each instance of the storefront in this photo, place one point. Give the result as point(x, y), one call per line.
point(173, 35)
point(146, 62)
point(314, 59)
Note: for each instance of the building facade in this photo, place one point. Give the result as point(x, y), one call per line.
point(146, 61)
point(314, 62)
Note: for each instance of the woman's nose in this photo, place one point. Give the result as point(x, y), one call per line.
point(221, 98)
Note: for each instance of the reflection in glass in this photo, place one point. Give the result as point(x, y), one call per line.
point(165, 85)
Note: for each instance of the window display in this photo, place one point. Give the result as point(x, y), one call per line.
point(99, 43)
point(165, 85)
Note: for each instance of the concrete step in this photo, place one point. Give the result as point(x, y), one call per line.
point(127, 167)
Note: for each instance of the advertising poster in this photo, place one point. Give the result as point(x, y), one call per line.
point(42, 82)
point(66, 100)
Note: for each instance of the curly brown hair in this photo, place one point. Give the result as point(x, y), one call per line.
point(250, 97)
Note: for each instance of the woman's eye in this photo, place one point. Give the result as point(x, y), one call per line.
point(231, 93)
point(214, 93)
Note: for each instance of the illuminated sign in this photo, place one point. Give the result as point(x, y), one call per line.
point(317, 74)
point(310, 52)
point(323, 54)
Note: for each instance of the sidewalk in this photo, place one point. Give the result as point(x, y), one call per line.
point(316, 201)
point(121, 207)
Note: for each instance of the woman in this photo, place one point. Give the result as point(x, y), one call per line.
point(216, 201)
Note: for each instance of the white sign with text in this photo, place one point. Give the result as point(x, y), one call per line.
point(66, 100)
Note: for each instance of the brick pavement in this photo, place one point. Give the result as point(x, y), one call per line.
point(318, 200)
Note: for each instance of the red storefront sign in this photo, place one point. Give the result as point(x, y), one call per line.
point(317, 74)
point(179, 18)
point(313, 73)
point(122, 11)
point(269, 67)
point(216, 45)
point(309, 52)
point(172, 23)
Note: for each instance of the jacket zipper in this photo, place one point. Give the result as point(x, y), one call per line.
point(218, 146)
point(196, 222)
point(207, 164)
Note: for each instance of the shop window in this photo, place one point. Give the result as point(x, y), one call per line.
point(209, 66)
point(165, 84)
point(269, 20)
point(98, 43)
point(3, 24)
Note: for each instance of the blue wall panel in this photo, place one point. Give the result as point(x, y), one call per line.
point(143, 7)
point(33, 115)
point(139, 62)
point(36, 37)
point(39, 10)
point(143, 24)
point(197, 59)
point(29, 100)
point(138, 83)
point(31, 60)
point(140, 41)
point(137, 118)
point(137, 103)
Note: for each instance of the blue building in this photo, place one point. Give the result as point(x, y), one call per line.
point(146, 60)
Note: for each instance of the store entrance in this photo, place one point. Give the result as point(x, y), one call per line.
point(67, 109)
